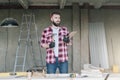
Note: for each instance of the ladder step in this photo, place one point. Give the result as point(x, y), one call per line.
point(23, 39)
point(28, 15)
point(24, 30)
point(19, 65)
point(27, 23)
point(20, 56)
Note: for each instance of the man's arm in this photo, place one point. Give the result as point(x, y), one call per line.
point(67, 38)
point(43, 41)
point(71, 34)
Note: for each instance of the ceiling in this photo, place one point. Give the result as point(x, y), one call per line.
point(61, 3)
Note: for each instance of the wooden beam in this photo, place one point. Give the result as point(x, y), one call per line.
point(24, 3)
point(62, 3)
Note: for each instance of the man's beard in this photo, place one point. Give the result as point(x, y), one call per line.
point(56, 24)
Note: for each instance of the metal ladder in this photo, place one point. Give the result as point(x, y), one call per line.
point(25, 42)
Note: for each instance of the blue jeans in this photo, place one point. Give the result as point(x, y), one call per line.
point(62, 66)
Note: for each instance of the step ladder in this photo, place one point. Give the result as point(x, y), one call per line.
point(25, 42)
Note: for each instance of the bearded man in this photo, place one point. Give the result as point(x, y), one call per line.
point(55, 38)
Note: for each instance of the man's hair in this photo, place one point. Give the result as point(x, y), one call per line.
point(54, 13)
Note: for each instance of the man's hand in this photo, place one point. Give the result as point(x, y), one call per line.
point(66, 39)
point(45, 46)
point(52, 45)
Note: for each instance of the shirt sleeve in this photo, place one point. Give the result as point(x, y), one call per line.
point(70, 43)
point(43, 38)
point(67, 32)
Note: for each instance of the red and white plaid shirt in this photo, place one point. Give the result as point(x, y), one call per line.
point(62, 46)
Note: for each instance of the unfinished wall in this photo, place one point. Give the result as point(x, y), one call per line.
point(110, 18)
